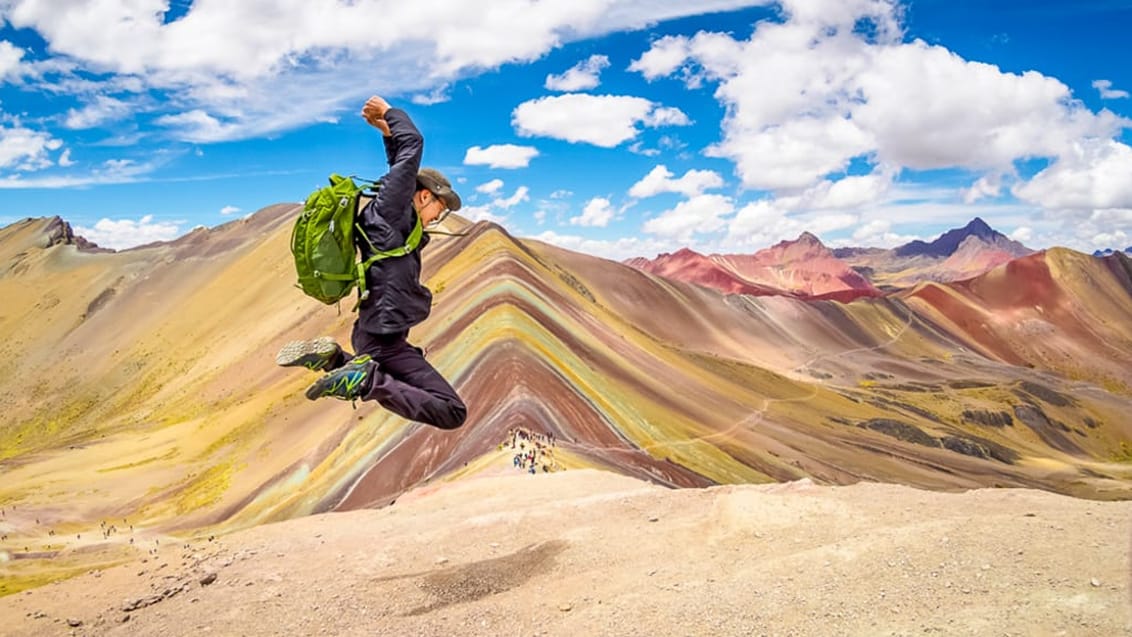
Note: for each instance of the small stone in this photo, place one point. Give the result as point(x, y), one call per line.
point(442, 560)
point(74, 623)
point(124, 618)
point(653, 518)
point(565, 607)
point(1095, 582)
point(208, 579)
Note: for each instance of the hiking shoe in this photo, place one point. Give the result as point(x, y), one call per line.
point(347, 382)
point(316, 354)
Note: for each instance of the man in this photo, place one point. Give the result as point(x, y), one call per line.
point(387, 368)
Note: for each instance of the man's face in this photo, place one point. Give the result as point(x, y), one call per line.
point(433, 210)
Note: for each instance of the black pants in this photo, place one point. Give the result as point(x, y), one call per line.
point(406, 384)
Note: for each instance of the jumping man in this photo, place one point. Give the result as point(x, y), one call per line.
point(387, 368)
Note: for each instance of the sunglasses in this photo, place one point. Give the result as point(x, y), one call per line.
point(443, 212)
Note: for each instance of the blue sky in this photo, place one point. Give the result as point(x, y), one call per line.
point(615, 127)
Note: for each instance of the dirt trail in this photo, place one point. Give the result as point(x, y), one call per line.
point(593, 553)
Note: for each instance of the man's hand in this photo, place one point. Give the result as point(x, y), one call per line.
point(374, 113)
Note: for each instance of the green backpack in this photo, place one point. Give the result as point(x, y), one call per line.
point(322, 242)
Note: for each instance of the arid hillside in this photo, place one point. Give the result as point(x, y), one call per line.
point(593, 553)
point(142, 400)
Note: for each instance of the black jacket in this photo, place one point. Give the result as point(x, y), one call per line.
point(397, 300)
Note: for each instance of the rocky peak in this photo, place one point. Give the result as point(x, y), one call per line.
point(947, 243)
point(59, 232)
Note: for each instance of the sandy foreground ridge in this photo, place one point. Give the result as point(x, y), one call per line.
point(593, 553)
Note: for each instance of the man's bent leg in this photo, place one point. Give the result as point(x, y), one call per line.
point(407, 385)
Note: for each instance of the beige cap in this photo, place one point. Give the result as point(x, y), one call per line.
point(438, 184)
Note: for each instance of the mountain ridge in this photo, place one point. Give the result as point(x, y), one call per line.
point(143, 383)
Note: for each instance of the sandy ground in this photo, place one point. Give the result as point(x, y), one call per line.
point(592, 553)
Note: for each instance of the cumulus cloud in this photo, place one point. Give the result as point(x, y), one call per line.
point(1107, 92)
point(10, 57)
point(127, 233)
point(807, 95)
point(581, 77)
point(494, 210)
point(253, 71)
point(501, 156)
point(229, 210)
point(482, 213)
point(490, 187)
point(601, 120)
point(660, 180)
point(519, 196)
point(697, 215)
point(598, 212)
point(26, 149)
point(102, 109)
point(197, 126)
point(616, 249)
point(768, 221)
point(1090, 174)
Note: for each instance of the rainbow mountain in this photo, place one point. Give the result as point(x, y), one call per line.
point(141, 384)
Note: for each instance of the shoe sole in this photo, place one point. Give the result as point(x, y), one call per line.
point(306, 353)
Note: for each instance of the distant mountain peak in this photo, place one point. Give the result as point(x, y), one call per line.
point(979, 228)
point(947, 243)
point(807, 237)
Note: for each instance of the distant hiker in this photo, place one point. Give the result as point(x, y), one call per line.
point(387, 368)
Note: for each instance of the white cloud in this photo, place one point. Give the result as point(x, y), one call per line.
point(25, 149)
point(637, 148)
point(10, 57)
point(65, 159)
point(597, 213)
point(666, 116)
point(127, 233)
point(808, 95)
point(609, 119)
point(1022, 234)
point(516, 198)
point(487, 212)
point(581, 77)
point(847, 192)
point(659, 180)
point(490, 187)
point(437, 95)
point(1107, 92)
point(481, 213)
point(878, 233)
point(664, 57)
point(1091, 174)
point(252, 70)
point(229, 210)
point(768, 221)
point(500, 156)
point(989, 185)
point(198, 126)
point(113, 171)
point(698, 215)
point(102, 109)
point(616, 249)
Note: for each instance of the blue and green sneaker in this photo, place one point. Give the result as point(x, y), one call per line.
point(316, 354)
point(348, 382)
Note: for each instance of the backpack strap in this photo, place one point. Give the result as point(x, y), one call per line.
point(411, 243)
